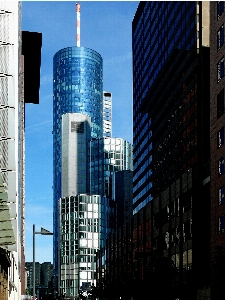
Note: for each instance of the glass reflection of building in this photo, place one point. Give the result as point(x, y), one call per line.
point(152, 47)
point(77, 88)
point(82, 230)
point(108, 155)
point(171, 113)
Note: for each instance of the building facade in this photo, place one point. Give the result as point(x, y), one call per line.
point(217, 122)
point(85, 157)
point(14, 89)
point(43, 275)
point(176, 109)
point(173, 40)
point(82, 231)
point(107, 156)
point(167, 243)
point(77, 88)
point(123, 196)
point(46, 273)
point(76, 137)
point(12, 268)
point(29, 268)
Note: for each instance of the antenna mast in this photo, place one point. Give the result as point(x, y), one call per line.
point(78, 24)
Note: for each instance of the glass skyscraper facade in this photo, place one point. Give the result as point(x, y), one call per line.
point(158, 29)
point(77, 88)
point(82, 231)
point(171, 73)
point(108, 155)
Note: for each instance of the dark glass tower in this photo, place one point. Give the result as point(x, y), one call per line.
point(171, 78)
point(77, 88)
point(160, 30)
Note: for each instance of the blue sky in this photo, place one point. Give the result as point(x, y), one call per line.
point(106, 27)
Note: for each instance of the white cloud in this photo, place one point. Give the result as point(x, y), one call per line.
point(39, 124)
point(46, 79)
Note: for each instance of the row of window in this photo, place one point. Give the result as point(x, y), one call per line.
point(66, 259)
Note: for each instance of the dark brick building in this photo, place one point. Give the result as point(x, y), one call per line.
point(217, 122)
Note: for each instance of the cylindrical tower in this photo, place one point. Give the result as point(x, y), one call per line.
point(77, 88)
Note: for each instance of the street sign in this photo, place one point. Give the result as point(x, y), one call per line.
point(46, 232)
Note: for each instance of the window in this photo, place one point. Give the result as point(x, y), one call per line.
point(220, 37)
point(220, 8)
point(220, 137)
point(220, 104)
point(221, 195)
point(221, 224)
point(220, 69)
point(221, 166)
point(77, 127)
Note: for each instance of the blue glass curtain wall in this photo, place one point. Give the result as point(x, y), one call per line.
point(77, 88)
point(158, 29)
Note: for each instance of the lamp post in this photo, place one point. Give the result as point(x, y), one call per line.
point(43, 232)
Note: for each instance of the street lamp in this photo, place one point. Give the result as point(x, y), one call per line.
point(43, 232)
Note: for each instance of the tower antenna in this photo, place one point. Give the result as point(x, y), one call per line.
point(78, 24)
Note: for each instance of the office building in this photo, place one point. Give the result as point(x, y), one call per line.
point(82, 230)
point(171, 129)
point(108, 155)
point(217, 123)
point(43, 275)
point(29, 268)
point(168, 242)
point(46, 273)
point(77, 88)
point(14, 56)
point(85, 156)
point(173, 40)
point(107, 114)
point(10, 120)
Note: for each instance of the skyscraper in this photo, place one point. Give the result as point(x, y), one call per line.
point(85, 157)
point(171, 132)
point(77, 88)
point(14, 90)
point(173, 40)
point(82, 230)
point(217, 123)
